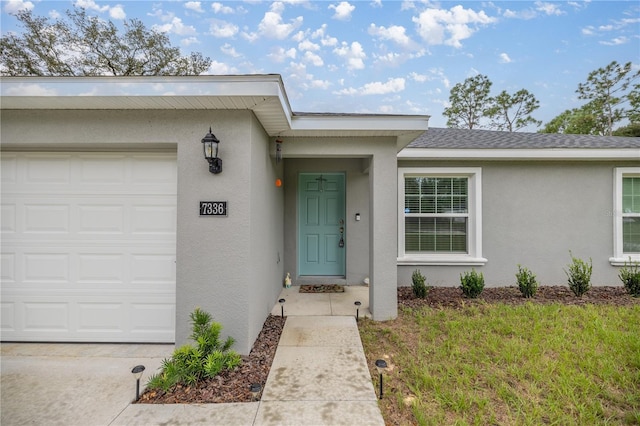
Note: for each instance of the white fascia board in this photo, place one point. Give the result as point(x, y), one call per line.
point(388, 123)
point(521, 154)
point(249, 85)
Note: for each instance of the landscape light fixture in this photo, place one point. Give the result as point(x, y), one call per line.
point(381, 366)
point(137, 373)
point(281, 301)
point(210, 145)
point(357, 303)
point(255, 389)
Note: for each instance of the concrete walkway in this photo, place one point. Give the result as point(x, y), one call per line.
point(319, 377)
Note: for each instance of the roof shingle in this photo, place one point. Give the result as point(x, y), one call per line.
point(445, 138)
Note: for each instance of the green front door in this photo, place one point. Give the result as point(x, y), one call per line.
point(321, 213)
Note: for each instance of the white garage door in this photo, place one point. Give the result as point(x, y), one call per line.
point(88, 247)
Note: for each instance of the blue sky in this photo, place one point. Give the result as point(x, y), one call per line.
point(399, 57)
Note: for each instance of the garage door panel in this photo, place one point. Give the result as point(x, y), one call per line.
point(8, 268)
point(102, 169)
point(7, 317)
point(153, 219)
point(47, 169)
point(47, 268)
point(153, 269)
point(101, 219)
point(88, 247)
point(46, 316)
point(46, 218)
point(101, 317)
point(8, 219)
point(101, 268)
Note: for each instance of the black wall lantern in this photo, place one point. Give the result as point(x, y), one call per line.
point(210, 145)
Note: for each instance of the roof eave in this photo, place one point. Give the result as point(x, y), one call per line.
point(520, 154)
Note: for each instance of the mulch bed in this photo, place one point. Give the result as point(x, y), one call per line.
point(229, 386)
point(233, 386)
point(322, 288)
point(452, 297)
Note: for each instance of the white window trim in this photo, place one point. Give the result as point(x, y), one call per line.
point(619, 257)
point(474, 256)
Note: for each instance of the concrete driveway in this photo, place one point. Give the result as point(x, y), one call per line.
point(71, 384)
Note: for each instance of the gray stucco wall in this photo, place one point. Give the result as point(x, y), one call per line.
point(266, 251)
point(226, 266)
point(534, 213)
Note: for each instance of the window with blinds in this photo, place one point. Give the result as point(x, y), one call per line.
point(436, 214)
point(631, 214)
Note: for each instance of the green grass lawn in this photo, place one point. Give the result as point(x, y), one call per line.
point(509, 365)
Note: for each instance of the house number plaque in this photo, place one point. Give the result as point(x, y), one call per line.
point(213, 208)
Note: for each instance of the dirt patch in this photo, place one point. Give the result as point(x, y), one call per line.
point(453, 297)
point(229, 386)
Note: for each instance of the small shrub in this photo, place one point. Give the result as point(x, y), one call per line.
point(579, 275)
point(472, 284)
point(630, 277)
point(526, 282)
point(189, 364)
point(420, 289)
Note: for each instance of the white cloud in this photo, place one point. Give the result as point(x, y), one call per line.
point(420, 78)
point(325, 39)
point(407, 5)
point(272, 25)
point(588, 30)
point(15, 6)
point(222, 29)
point(196, 6)
point(228, 49)
point(90, 5)
point(117, 12)
point(279, 54)
point(616, 41)
point(54, 14)
point(394, 33)
point(439, 26)
point(175, 26)
point(343, 10)
point(189, 41)
point(389, 58)
point(504, 58)
point(353, 54)
point(392, 85)
point(376, 3)
point(220, 8)
point(525, 14)
point(308, 45)
point(313, 59)
point(548, 8)
point(219, 68)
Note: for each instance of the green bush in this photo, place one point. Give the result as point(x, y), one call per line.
point(472, 284)
point(189, 364)
point(420, 289)
point(526, 282)
point(630, 277)
point(579, 275)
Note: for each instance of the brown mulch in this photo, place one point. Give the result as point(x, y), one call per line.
point(229, 386)
point(233, 386)
point(452, 297)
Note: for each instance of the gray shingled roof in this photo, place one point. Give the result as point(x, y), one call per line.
point(489, 139)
